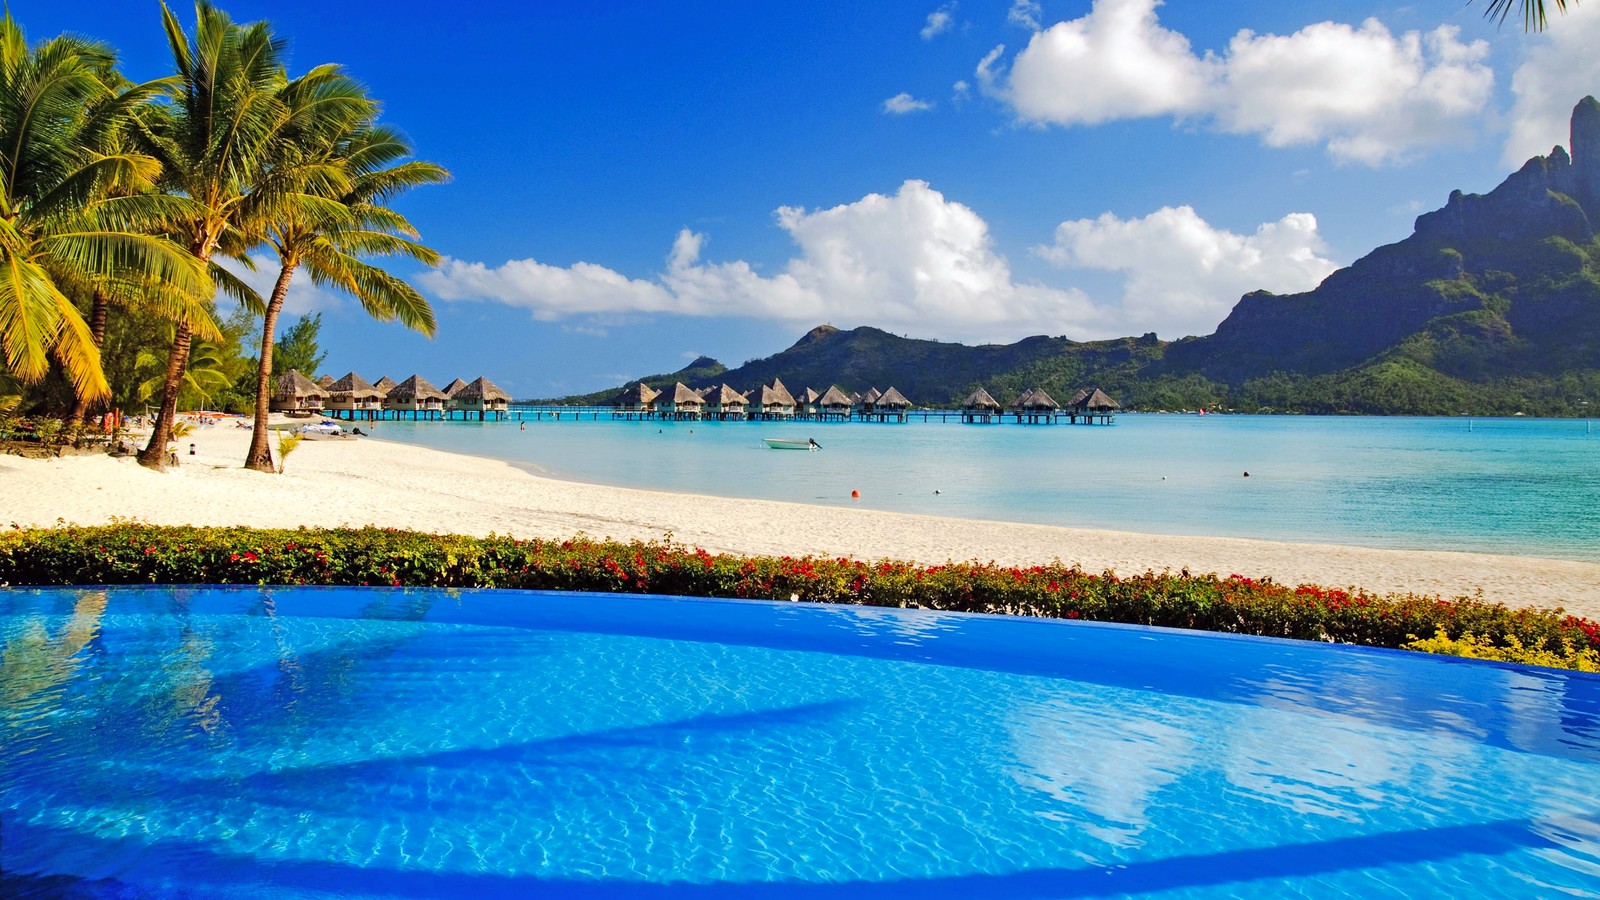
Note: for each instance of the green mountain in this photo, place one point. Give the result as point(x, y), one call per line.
point(1491, 306)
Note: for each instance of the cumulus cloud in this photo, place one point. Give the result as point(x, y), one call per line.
point(1558, 69)
point(918, 262)
point(1024, 14)
point(939, 21)
point(1182, 275)
point(911, 261)
point(903, 103)
point(1368, 95)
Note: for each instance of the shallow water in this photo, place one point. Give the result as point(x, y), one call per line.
point(1527, 487)
point(375, 743)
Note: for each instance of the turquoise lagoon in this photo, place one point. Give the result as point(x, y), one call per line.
point(1528, 487)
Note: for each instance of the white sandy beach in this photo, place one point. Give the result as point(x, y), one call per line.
point(361, 482)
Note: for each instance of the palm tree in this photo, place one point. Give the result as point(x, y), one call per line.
point(1533, 15)
point(213, 141)
point(64, 223)
point(328, 241)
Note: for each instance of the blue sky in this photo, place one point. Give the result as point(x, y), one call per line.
point(637, 183)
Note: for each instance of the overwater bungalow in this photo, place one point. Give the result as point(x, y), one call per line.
point(637, 400)
point(682, 402)
point(353, 397)
point(725, 403)
point(891, 404)
point(1095, 404)
point(980, 407)
point(480, 396)
point(808, 404)
point(384, 384)
point(416, 396)
point(867, 403)
point(1036, 406)
point(296, 394)
point(773, 402)
point(325, 382)
point(834, 405)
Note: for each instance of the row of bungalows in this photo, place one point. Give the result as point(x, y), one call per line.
point(765, 403)
point(1089, 406)
point(353, 397)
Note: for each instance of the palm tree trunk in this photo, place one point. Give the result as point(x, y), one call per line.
point(260, 456)
point(154, 455)
point(97, 329)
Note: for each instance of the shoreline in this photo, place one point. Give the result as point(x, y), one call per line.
point(393, 484)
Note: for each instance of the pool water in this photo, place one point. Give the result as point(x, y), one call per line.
point(248, 742)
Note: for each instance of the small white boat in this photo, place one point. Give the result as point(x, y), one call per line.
point(785, 444)
point(322, 431)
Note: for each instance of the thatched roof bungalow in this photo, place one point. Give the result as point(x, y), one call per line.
point(325, 382)
point(808, 402)
point(980, 406)
point(384, 384)
point(682, 402)
point(1092, 404)
point(834, 404)
point(416, 396)
point(893, 400)
point(637, 398)
point(1037, 405)
point(726, 403)
point(451, 388)
point(980, 401)
point(1037, 400)
point(355, 396)
point(295, 393)
point(774, 401)
point(1099, 402)
point(480, 396)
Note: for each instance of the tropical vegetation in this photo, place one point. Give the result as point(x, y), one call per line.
point(121, 201)
point(129, 553)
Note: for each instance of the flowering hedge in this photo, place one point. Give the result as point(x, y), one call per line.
point(143, 554)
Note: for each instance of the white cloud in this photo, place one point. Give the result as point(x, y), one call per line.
point(939, 21)
point(903, 103)
point(1558, 69)
point(1370, 96)
point(1117, 62)
point(960, 92)
point(1024, 14)
point(917, 262)
point(1182, 275)
point(912, 262)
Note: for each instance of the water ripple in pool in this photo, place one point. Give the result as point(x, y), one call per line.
point(339, 742)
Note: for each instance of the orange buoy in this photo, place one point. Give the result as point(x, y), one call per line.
point(855, 495)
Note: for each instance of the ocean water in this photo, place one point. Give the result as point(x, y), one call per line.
point(348, 742)
point(1527, 487)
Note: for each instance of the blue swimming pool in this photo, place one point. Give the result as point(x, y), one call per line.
point(406, 743)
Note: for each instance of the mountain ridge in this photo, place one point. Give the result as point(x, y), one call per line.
point(1491, 305)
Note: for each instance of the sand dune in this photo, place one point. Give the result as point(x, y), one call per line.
point(363, 482)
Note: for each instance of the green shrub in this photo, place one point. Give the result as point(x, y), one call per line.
point(128, 553)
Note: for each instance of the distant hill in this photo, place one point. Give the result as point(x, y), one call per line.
point(1491, 306)
point(703, 371)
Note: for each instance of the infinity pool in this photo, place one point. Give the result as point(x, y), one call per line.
point(251, 742)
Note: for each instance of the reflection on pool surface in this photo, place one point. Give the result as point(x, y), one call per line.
point(362, 742)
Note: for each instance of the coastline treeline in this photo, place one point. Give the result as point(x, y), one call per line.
point(122, 201)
